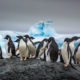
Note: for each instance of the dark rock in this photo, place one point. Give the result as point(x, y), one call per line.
point(14, 69)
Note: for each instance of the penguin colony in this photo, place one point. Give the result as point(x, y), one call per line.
point(46, 50)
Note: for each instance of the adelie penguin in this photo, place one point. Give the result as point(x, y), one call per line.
point(23, 48)
point(41, 49)
point(67, 50)
point(9, 46)
point(77, 54)
point(71, 44)
point(1, 53)
point(30, 44)
point(51, 50)
point(72, 47)
point(64, 52)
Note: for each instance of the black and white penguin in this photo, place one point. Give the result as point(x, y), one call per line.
point(51, 50)
point(72, 47)
point(30, 44)
point(65, 52)
point(1, 53)
point(22, 47)
point(9, 46)
point(77, 54)
point(41, 49)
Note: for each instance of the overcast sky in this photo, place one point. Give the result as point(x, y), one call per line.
point(19, 15)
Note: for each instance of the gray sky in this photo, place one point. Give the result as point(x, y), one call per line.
point(19, 15)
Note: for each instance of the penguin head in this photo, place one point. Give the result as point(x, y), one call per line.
point(67, 40)
point(28, 37)
point(75, 38)
point(51, 39)
point(8, 38)
point(19, 38)
point(45, 39)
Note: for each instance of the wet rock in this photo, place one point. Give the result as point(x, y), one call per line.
point(32, 69)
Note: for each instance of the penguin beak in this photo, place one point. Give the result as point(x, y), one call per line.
point(18, 37)
point(26, 36)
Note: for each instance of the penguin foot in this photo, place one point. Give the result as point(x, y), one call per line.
point(65, 65)
point(21, 59)
point(24, 59)
point(38, 58)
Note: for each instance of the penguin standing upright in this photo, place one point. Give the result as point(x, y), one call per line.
point(72, 47)
point(77, 54)
point(67, 50)
point(1, 53)
point(22, 47)
point(41, 49)
point(31, 47)
point(64, 52)
point(51, 50)
point(9, 46)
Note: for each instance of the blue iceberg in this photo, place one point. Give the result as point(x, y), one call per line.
point(42, 29)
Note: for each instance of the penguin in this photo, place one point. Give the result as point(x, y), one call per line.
point(64, 52)
point(23, 48)
point(72, 47)
point(30, 44)
point(9, 46)
point(41, 49)
point(77, 54)
point(67, 51)
point(51, 51)
point(1, 57)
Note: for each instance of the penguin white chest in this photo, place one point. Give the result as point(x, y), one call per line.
point(31, 47)
point(72, 47)
point(43, 47)
point(78, 54)
point(23, 48)
point(64, 53)
point(47, 53)
point(6, 45)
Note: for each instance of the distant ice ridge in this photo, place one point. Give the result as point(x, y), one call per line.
point(38, 31)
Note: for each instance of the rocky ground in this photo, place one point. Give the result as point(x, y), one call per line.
point(32, 69)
